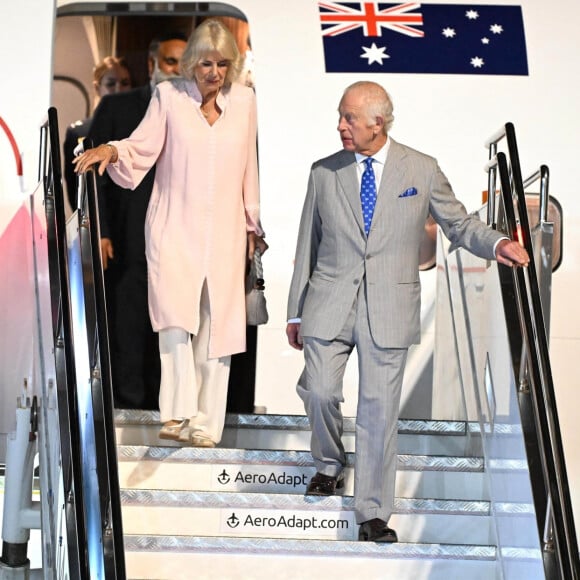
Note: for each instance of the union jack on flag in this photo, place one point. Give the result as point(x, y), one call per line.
point(342, 18)
point(411, 37)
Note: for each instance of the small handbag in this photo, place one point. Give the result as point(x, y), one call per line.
point(256, 309)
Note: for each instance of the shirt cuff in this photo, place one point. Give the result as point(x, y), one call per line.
point(495, 245)
point(294, 320)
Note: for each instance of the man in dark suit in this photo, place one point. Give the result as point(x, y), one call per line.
point(134, 346)
point(356, 284)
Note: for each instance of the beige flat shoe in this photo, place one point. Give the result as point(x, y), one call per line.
point(185, 435)
point(198, 440)
point(172, 429)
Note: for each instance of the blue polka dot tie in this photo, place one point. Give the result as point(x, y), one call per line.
point(368, 193)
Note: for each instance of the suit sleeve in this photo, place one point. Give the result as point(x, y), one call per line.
point(462, 229)
point(70, 142)
point(309, 235)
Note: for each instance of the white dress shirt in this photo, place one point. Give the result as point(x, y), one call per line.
point(380, 158)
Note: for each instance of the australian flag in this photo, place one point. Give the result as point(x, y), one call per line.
point(410, 37)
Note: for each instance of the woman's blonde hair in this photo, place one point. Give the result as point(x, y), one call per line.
point(211, 35)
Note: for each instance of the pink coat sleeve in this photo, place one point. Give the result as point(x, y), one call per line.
point(251, 185)
point(139, 152)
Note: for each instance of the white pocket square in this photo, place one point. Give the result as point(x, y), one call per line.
point(408, 192)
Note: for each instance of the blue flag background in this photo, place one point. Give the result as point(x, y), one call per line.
point(490, 41)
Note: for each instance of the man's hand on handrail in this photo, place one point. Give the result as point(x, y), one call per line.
point(511, 253)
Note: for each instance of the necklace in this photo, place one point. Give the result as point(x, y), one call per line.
point(206, 112)
point(209, 107)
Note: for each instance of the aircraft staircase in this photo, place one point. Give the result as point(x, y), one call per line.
point(238, 511)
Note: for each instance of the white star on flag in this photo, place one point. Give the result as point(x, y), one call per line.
point(472, 14)
point(496, 28)
point(374, 53)
point(477, 62)
point(448, 32)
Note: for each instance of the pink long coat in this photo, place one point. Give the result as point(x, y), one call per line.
point(205, 199)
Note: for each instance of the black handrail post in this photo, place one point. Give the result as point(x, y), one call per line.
point(113, 540)
point(92, 496)
point(64, 352)
point(491, 187)
point(559, 488)
point(551, 493)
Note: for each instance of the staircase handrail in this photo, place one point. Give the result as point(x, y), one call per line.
point(549, 478)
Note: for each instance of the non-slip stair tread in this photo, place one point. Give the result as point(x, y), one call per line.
point(292, 432)
point(283, 546)
point(285, 457)
point(300, 422)
point(297, 422)
point(215, 455)
point(279, 501)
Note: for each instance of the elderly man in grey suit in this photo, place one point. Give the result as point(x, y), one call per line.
point(356, 284)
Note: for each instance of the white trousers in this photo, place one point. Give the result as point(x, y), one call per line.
point(192, 386)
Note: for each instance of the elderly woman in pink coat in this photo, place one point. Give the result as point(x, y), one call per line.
point(202, 225)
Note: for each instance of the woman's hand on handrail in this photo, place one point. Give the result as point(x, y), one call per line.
point(103, 155)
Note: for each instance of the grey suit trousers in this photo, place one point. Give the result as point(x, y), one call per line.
point(380, 382)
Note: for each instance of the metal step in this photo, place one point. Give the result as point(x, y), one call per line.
point(425, 437)
point(284, 516)
point(254, 431)
point(260, 471)
point(184, 557)
point(238, 511)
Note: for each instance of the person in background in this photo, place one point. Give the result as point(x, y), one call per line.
point(202, 226)
point(356, 284)
point(110, 76)
point(133, 345)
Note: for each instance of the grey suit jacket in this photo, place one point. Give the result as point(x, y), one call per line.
point(334, 256)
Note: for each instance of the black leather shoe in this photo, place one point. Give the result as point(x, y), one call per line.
point(376, 530)
point(321, 484)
